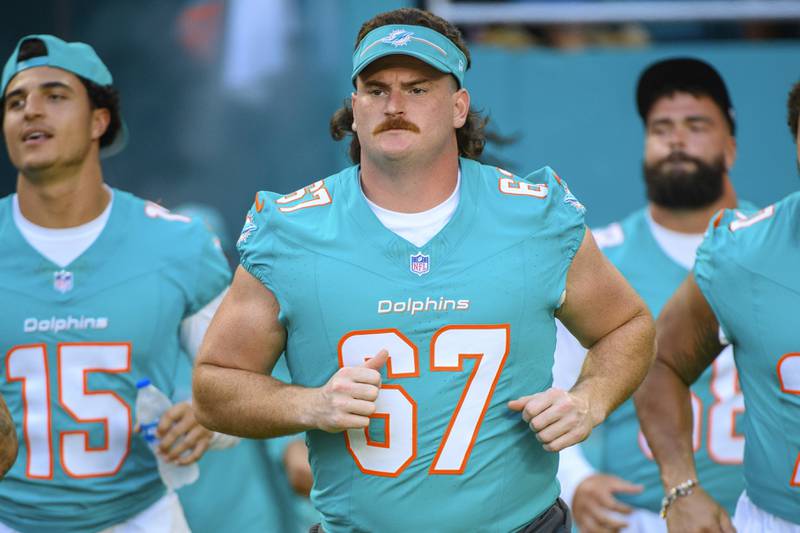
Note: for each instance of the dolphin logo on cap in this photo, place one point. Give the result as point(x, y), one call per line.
point(398, 37)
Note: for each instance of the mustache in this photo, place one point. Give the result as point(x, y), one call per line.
point(395, 123)
point(679, 157)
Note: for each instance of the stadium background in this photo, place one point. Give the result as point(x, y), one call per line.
point(226, 98)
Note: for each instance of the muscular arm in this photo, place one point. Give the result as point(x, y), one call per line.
point(233, 392)
point(8, 439)
point(607, 316)
point(688, 342)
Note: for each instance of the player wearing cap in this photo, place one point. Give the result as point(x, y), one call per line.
point(688, 152)
point(744, 290)
point(414, 295)
point(99, 290)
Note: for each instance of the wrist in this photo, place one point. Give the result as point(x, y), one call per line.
point(596, 411)
point(672, 477)
point(310, 411)
point(685, 488)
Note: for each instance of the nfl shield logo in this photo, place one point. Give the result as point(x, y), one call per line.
point(420, 264)
point(62, 281)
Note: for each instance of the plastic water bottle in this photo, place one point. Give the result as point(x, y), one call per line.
point(151, 403)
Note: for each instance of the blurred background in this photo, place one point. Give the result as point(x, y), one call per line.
point(226, 97)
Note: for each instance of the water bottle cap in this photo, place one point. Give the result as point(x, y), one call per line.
point(142, 383)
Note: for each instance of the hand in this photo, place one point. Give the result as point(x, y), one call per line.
point(698, 513)
point(179, 432)
point(594, 506)
point(298, 471)
point(348, 398)
point(557, 417)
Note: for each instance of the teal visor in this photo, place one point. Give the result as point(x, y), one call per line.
point(417, 41)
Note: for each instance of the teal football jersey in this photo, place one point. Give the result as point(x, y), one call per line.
point(468, 320)
point(748, 273)
point(716, 398)
point(75, 340)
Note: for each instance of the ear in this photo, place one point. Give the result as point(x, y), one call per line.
point(353, 107)
point(460, 107)
point(101, 118)
point(730, 152)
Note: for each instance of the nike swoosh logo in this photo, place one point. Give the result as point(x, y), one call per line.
point(259, 203)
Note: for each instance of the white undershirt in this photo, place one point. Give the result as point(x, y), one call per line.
point(418, 228)
point(63, 245)
point(680, 247)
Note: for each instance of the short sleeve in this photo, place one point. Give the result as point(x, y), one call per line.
point(564, 220)
point(713, 269)
point(566, 213)
point(210, 268)
point(257, 246)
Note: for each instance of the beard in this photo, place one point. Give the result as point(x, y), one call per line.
point(676, 187)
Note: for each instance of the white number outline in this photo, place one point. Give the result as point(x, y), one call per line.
point(41, 351)
point(794, 481)
point(33, 437)
point(437, 364)
point(763, 214)
point(361, 446)
point(320, 196)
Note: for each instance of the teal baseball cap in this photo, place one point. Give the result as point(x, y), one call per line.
point(77, 58)
point(423, 43)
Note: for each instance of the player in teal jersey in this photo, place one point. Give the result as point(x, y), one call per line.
point(436, 279)
point(744, 286)
point(8, 439)
point(689, 149)
point(100, 289)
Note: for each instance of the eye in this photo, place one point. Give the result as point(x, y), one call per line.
point(376, 91)
point(55, 97)
point(418, 90)
point(659, 130)
point(14, 103)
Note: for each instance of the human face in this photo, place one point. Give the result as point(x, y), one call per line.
point(404, 109)
point(48, 122)
point(688, 151)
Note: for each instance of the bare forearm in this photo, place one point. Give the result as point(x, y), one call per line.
point(616, 364)
point(663, 404)
point(8, 439)
point(248, 404)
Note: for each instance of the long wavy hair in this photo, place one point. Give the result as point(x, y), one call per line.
point(793, 106)
point(471, 136)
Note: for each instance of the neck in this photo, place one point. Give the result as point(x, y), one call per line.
point(407, 188)
point(693, 220)
point(65, 199)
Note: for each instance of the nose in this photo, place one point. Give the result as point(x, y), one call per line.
point(677, 137)
point(34, 106)
point(395, 103)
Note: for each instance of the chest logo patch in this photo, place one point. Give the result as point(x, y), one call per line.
point(62, 281)
point(420, 264)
